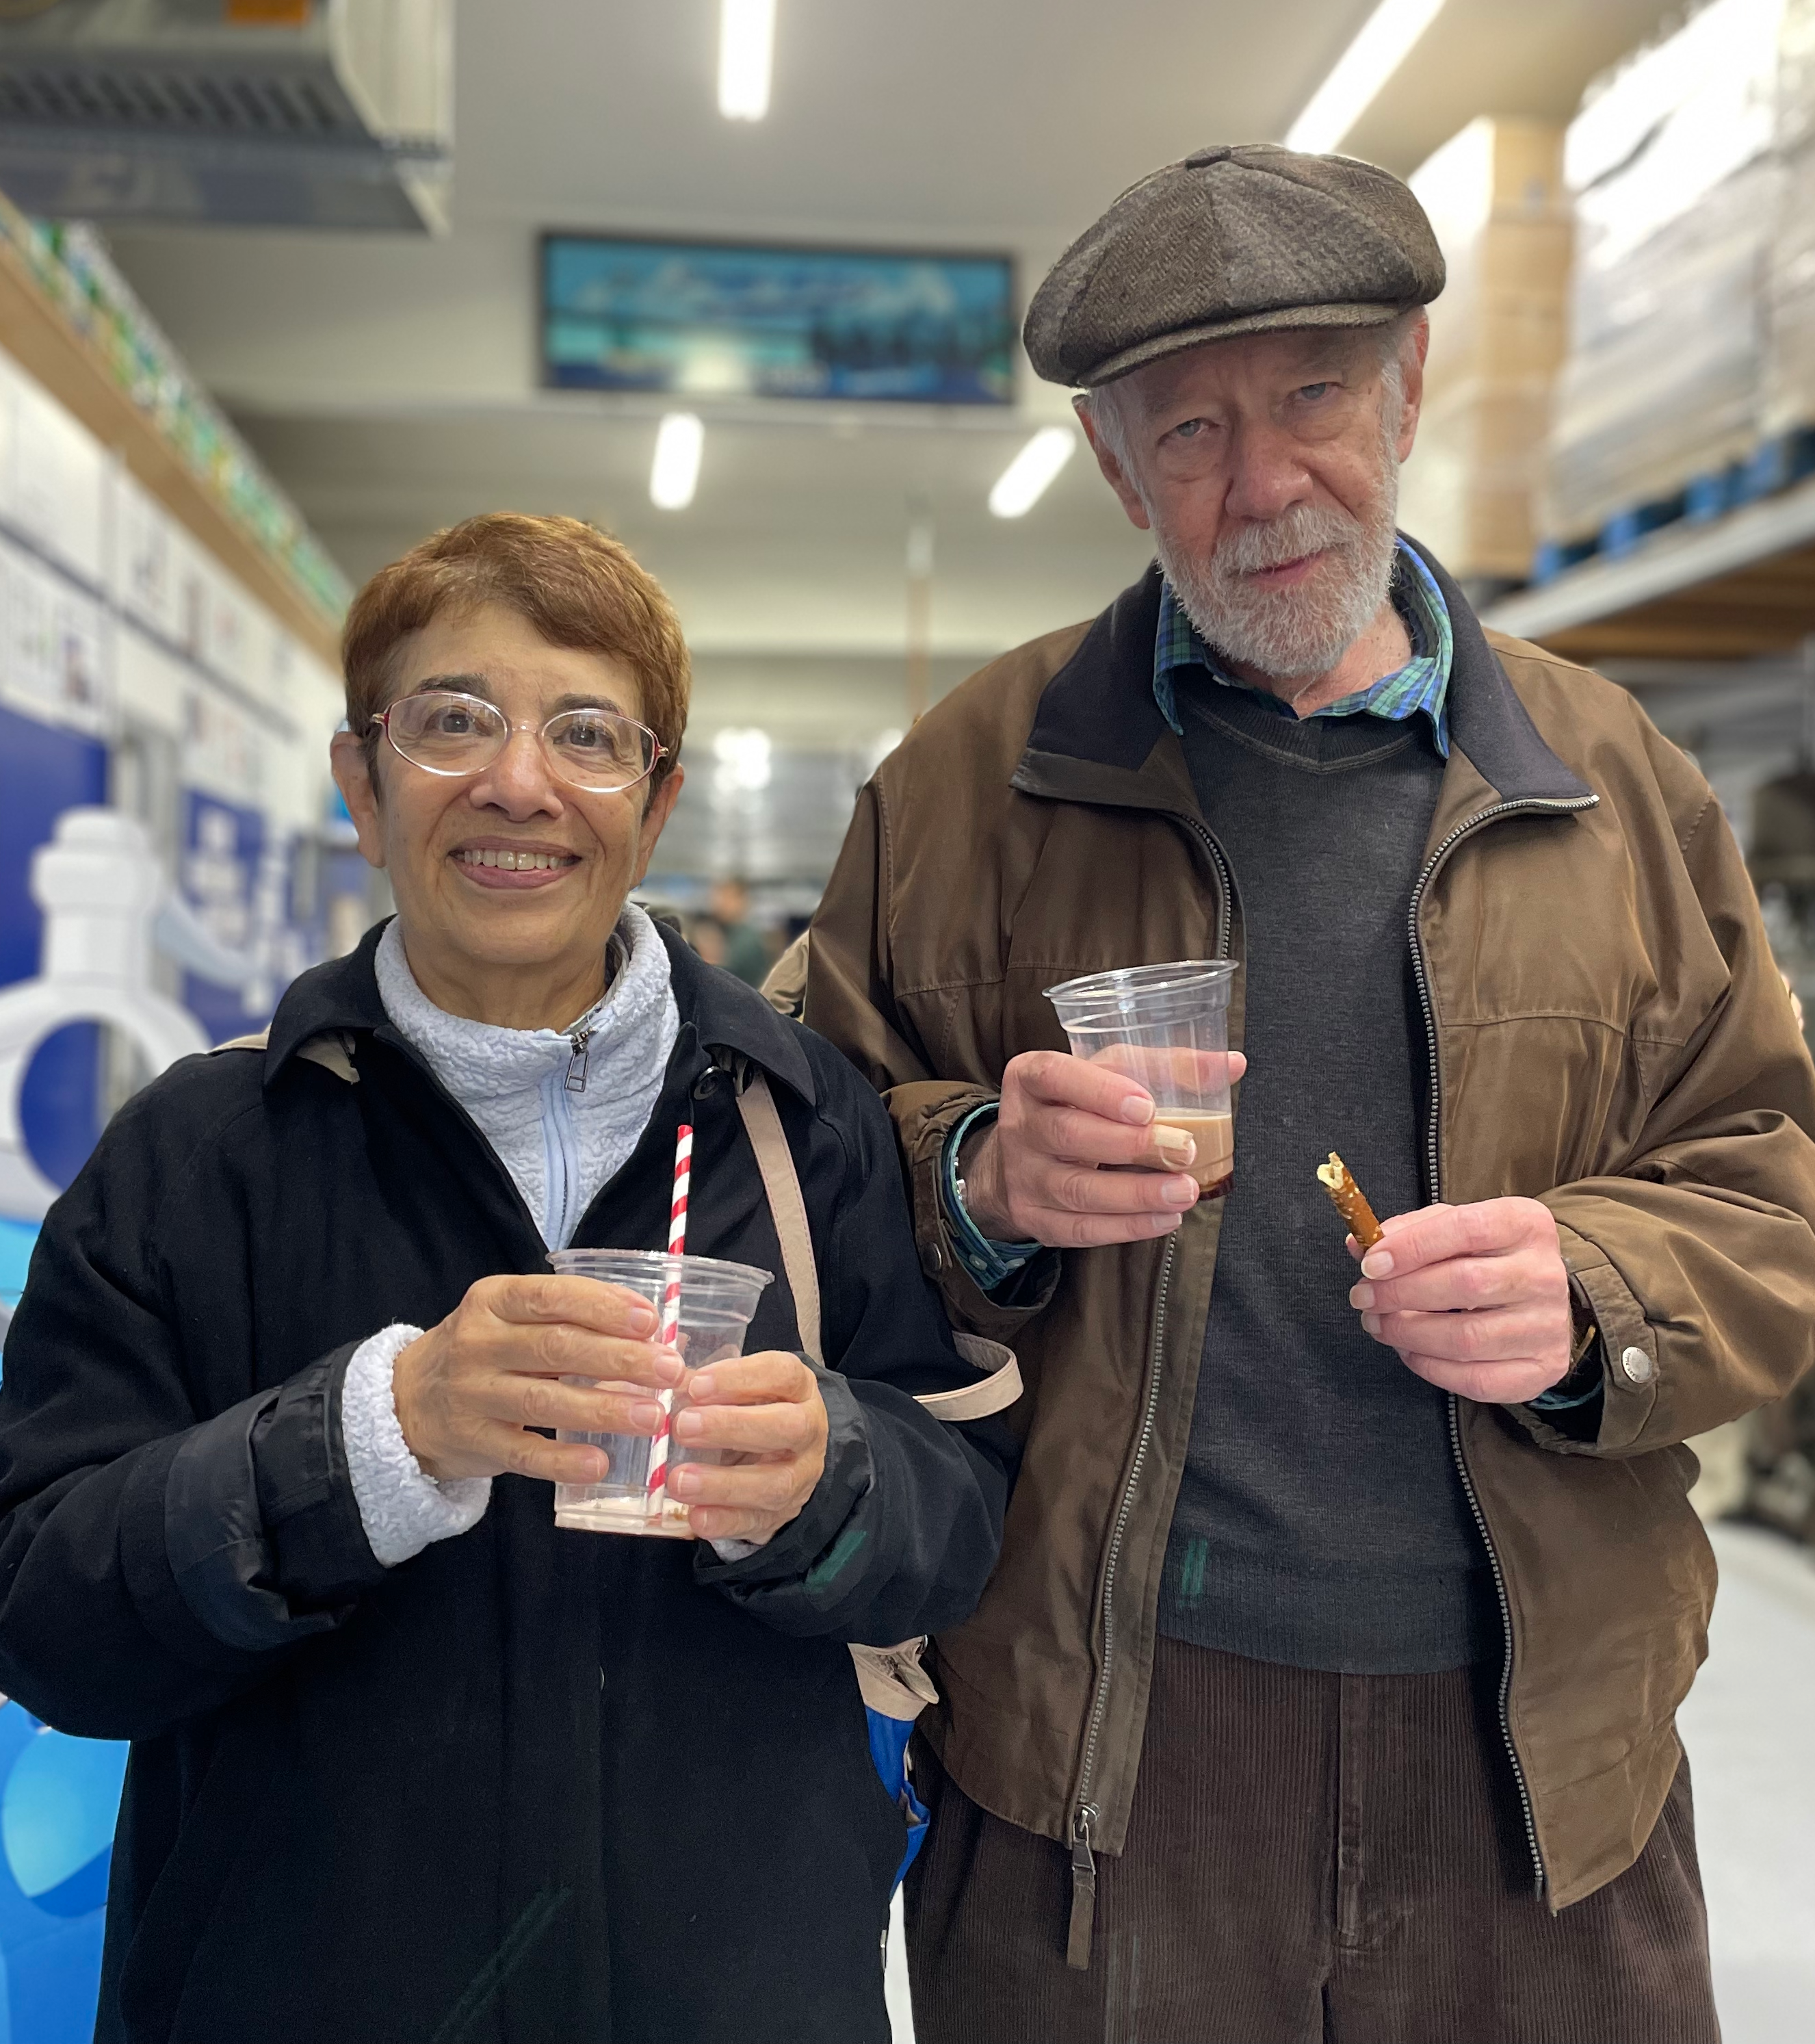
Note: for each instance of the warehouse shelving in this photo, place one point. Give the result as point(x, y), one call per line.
point(35, 330)
point(1729, 589)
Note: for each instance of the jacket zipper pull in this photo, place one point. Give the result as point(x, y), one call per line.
point(576, 1080)
point(1084, 1892)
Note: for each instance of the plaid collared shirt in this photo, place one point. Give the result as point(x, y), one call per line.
point(1422, 684)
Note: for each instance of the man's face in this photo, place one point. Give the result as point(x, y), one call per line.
point(467, 918)
point(1267, 469)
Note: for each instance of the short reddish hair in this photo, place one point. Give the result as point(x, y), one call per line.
point(576, 586)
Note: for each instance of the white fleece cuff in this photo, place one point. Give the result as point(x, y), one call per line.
point(401, 1509)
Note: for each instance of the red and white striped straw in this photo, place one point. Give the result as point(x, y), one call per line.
point(670, 1326)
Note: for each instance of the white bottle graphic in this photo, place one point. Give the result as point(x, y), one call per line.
point(101, 888)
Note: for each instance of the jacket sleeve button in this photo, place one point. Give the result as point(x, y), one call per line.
point(1639, 1367)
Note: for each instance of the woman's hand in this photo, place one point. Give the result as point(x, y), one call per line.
point(766, 1410)
point(466, 1391)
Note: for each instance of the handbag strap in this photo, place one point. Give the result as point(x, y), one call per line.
point(762, 1124)
point(999, 1386)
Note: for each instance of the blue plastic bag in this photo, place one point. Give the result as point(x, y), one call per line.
point(889, 1738)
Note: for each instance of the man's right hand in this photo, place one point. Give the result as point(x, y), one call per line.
point(467, 1390)
point(1037, 1175)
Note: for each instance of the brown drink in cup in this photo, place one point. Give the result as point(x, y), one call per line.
point(1213, 1166)
point(1167, 1028)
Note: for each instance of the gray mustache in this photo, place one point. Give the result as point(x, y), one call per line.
point(1310, 530)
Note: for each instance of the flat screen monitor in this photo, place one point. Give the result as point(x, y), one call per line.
point(708, 319)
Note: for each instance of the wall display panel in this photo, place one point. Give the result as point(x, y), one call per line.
point(44, 771)
point(239, 876)
point(53, 477)
point(154, 687)
point(704, 319)
point(53, 647)
point(223, 747)
point(144, 564)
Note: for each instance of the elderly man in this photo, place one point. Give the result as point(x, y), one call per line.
point(1325, 1689)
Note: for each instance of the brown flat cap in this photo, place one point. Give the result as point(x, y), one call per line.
point(1236, 239)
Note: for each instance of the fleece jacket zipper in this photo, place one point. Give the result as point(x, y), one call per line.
point(561, 1142)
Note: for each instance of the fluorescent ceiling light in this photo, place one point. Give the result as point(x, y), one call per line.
point(746, 49)
point(675, 471)
point(1386, 40)
point(1022, 483)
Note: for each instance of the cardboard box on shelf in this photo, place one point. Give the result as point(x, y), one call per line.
point(1469, 490)
point(1502, 336)
point(1496, 198)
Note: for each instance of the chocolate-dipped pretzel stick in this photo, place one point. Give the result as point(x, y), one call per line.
point(1350, 1200)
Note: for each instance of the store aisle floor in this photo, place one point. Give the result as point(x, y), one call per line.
point(1750, 1737)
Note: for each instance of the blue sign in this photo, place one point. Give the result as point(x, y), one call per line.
point(704, 320)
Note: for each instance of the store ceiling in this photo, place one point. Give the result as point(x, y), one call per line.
point(391, 381)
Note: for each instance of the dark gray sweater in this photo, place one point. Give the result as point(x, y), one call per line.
point(1320, 1521)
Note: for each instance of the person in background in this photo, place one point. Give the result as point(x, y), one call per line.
point(1325, 1692)
point(276, 1422)
point(707, 934)
point(747, 954)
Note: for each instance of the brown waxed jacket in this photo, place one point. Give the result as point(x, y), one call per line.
point(1606, 1032)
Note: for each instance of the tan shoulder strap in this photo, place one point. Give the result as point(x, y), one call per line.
point(260, 1041)
point(332, 1049)
point(994, 1392)
point(891, 1679)
point(762, 1124)
point(1000, 1387)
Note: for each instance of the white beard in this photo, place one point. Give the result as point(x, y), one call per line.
point(1290, 633)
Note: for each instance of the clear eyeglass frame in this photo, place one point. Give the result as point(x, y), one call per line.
point(493, 735)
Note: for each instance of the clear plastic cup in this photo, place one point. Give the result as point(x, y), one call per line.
point(1167, 1027)
point(717, 1300)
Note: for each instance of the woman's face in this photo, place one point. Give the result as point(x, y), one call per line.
point(501, 945)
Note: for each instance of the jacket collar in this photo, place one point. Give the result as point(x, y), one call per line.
point(1098, 735)
point(1486, 719)
point(342, 998)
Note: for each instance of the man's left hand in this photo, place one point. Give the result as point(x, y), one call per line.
point(1475, 1298)
point(766, 1410)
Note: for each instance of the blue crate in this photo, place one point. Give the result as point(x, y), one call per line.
point(1775, 464)
point(1706, 497)
point(1626, 530)
point(1556, 557)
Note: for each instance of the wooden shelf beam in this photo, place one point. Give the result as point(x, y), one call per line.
point(1730, 589)
point(34, 331)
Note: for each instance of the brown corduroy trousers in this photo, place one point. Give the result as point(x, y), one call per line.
point(1311, 1859)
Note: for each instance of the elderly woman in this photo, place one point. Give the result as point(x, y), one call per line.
point(283, 1400)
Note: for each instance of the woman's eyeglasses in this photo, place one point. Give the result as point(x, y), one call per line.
point(596, 749)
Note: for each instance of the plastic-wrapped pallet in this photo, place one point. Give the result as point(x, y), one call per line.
point(1790, 374)
point(1677, 199)
point(1495, 195)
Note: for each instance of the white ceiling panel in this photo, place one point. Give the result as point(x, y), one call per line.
point(391, 383)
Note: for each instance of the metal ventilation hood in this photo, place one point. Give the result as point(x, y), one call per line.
point(325, 113)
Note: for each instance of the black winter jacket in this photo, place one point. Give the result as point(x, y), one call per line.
point(531, 1787)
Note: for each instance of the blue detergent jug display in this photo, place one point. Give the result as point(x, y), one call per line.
point(58, 1799)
